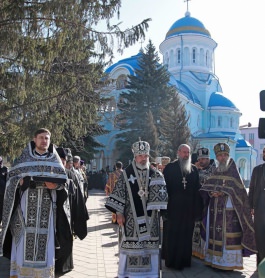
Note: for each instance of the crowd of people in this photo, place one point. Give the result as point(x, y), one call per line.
point(204, 207)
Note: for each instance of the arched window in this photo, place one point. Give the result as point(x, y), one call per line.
point(219, 121)
point(207, 58)
point(231, 122)
point(178, 56)
point(194, 56)
point(121, 82)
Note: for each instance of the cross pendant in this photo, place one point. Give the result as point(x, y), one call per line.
point(143, 193)
point(184, 182)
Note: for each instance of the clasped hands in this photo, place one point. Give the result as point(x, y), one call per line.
point(49, 185)
point(216, 194)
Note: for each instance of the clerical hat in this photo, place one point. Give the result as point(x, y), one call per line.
point(203, 153)
point(140, 147)
point(221, 148)
point(62, 153)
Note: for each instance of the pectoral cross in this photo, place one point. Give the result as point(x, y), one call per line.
point(142, 193)
point(132, 179)
point(218, 229)
point(184, 182)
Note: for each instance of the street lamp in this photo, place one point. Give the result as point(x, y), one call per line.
point(247, 125)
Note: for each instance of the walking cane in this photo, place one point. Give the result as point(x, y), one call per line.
point(160, 246)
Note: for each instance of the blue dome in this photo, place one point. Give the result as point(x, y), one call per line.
point(129, 63)
point(217, 99)
point(187, 24)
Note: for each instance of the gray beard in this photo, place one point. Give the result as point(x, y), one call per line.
point(223, 167)
point(142, 167)
point(185, 165)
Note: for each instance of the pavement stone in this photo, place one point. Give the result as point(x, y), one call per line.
point(96, 256)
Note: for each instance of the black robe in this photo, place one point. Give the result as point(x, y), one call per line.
point(184, 207)
point(65, 230)
point(257, 202)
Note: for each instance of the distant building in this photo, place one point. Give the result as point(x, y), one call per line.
point(251, 135)
point(188, 53)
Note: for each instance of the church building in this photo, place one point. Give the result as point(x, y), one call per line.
point(188, 52)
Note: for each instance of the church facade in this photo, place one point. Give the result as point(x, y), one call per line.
point(188, 52)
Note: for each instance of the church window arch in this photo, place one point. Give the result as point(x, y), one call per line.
point(121, 82)
point(219, 121)
point(231, 122)
point(194, 56)
point(178, 56)
point(207, 58)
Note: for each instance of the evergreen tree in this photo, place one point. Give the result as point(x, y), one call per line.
point(174, 127)
point(150, 134)
point(147, 90)
point(51, 68)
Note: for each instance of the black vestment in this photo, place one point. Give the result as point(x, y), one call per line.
point(184, 207)
point(68, 227)
point(257, 202)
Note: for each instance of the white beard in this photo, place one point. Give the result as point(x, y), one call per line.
point(141, 166)
point(185, 165)
point(223, 167)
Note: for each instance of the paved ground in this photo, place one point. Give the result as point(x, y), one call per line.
point(97, 255)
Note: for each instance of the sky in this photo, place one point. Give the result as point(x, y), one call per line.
point(237, 27)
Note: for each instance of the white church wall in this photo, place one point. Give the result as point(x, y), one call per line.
point(197, 52)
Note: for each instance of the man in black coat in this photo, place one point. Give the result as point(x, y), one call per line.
point(70, 224)
point(184, 207)
point(257, 205)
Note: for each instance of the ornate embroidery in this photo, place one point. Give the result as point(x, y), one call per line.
point(17, 225)
point(139, 263)
point(37, 223)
